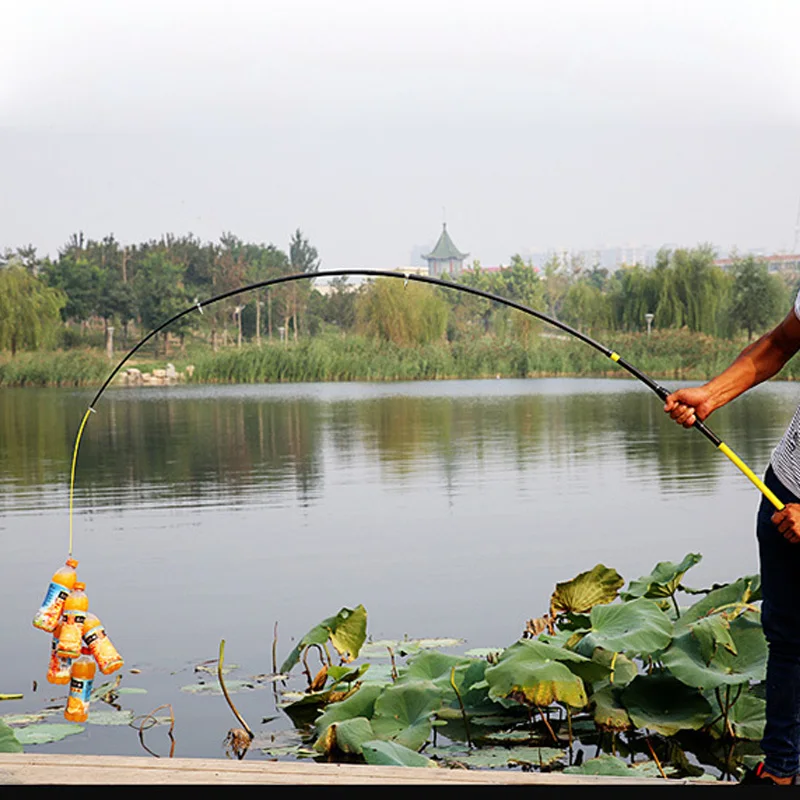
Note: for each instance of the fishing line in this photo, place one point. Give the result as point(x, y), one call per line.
point(198, 305)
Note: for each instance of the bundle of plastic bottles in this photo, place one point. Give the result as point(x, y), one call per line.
point(80, 643)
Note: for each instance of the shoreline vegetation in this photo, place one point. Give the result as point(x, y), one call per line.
point(68, 321)
point(673, 354)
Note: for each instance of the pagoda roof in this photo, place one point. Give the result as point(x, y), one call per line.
point(445, 249)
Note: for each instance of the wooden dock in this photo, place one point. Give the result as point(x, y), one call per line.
point(46, 769)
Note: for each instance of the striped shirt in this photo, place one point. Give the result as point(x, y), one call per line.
point(785, 459)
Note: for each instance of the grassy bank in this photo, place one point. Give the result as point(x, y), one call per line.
point(672, 355)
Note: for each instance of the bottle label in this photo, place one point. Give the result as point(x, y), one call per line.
point(48, 614)
point(55, 592)
point(81, 689)
point(95, 634)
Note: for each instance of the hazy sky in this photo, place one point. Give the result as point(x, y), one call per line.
point(566, 124)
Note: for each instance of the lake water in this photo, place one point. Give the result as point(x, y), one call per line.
point(448, 509)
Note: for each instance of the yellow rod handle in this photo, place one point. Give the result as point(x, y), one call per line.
point(757, 482)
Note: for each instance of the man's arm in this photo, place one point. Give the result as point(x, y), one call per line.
point(758, 362)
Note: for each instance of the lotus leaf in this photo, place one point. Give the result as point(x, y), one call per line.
point(393, 754)
point(604, 764)
point(347, 632)
point(346, 674)
point(712, 632)
point(638, 627)
point(346, 736)
point(598, 585)
point(612, 766)
point(404, 713)
point(359, 704)
point(746, 717)
point(663, 580)
point(428, 665)
point(123, 717)
point(663, 704)
point(488, 757)
point(608, 710)
point(8, 740)
point(744, 590)
point(527, 678)
point(214, 688)
point(404, 647)
point(621, 669)
point(686, 661)
point(583, 667)
point(46, 732)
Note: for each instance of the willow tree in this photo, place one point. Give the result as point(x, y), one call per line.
point(30, 311)
point(403, 314)
point(758, 298)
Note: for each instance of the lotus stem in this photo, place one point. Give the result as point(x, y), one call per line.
point(274, 649)
point(655, 758)
point(305, 661)
point(547, 724)
point(460, 703)
point(225, 691)
point(677, 608)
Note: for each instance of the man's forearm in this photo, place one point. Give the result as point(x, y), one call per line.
point(757, 363)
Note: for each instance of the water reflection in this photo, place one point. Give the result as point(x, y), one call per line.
point(202, 445)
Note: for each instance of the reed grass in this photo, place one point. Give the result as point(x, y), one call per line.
point(672, 354)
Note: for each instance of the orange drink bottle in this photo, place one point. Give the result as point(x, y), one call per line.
point(80, 687)
point(49, 615)
point(59, 669)
point(74, 615)
point(100, 646)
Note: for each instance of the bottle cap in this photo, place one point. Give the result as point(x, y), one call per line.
point(79, 587)
point(71, 562)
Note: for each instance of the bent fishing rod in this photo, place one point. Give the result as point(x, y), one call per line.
point(199, 305)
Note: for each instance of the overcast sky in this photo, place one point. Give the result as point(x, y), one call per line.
point(528, 125)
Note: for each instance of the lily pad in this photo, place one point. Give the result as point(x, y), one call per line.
point(28, 719)
point(744, 590)
point(638, 627)
point(347, 736)
point(663, 580)
point(8, 740)
point(404, 713)
point(123, 717)
point(686, 659)
point(394, 754)
point(747, 718)
point(214, 688)
point(346, 631)
point(597, 586)
point(492, 757)
point(609, 711)
point(663, 704)
point(404, 647)
point(134, 690)
point(528, 677)
point(211, 667)
point(46, 732)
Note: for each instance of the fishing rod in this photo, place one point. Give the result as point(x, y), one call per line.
point(199, 305)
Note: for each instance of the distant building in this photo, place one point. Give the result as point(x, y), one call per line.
point(445, 257)
point(781, 262)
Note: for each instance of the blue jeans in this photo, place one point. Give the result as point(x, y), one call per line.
point(780, 617)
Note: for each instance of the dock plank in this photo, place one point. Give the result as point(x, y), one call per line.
point(51, 769)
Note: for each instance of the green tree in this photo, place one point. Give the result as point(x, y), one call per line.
point(160, 293)
point(29, 310)
point(405, 315)
point(758, 298)
point(302, 258)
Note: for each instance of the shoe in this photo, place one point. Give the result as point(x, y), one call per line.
point(757, 777)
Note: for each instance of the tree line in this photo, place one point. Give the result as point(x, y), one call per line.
point(97, 284)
